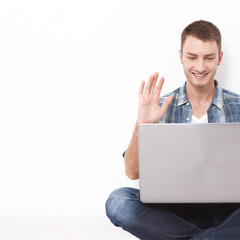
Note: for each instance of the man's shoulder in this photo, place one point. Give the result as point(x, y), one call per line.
point(229, 93)
point(231, 96)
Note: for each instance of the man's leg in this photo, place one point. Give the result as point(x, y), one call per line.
point(228, 230)
point(145, 221)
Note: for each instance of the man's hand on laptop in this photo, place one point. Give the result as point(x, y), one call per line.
point(149, 110)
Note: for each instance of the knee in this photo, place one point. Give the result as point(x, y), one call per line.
point(119, 205)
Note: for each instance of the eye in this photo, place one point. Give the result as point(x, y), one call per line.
point(210, 58)
point(191, 58)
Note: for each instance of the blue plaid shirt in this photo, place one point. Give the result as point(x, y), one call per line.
point(225, 107)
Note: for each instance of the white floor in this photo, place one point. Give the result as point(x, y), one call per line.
point(52, 228)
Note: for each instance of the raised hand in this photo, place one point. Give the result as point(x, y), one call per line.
point(149, 110)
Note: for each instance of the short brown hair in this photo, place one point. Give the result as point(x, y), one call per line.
point(203, 30)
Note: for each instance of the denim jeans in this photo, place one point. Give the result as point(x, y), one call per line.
point(172, 221)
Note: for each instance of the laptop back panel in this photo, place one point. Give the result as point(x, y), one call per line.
point(189, 163)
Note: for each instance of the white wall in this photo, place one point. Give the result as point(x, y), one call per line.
point(69, 77)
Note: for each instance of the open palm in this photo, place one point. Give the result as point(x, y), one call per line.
point(149, 110)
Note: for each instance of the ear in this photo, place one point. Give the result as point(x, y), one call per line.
point(181, 56)
point(220, 58)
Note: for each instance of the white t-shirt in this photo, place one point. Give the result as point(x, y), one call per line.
point(203, 119)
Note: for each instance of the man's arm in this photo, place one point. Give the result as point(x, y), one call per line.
point(131, 157)
point(149, 111)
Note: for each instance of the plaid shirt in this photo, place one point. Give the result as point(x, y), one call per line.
point(225, 107)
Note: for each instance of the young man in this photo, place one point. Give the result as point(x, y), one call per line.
point(200, 100)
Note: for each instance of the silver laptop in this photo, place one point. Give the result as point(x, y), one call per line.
point(189, 163)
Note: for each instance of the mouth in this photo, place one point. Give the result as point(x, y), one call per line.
point(199, 76)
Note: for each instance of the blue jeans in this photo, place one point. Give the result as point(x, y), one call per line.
point(172, 221)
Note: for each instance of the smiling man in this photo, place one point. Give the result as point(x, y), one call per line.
point(199, 100)
point(200, 59)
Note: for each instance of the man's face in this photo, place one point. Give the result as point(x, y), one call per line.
point(200, 60)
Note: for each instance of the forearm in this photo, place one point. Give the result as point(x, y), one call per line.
point(131, 157)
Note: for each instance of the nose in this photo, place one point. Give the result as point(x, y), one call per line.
point(200, 66)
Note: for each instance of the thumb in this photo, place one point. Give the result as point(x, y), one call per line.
point(166, 103)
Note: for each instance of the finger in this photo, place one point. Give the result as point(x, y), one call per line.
point(154, 83)
point(140, 92)
point(149, 85)
point(158, 90)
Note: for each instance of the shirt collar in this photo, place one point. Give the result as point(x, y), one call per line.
point(217, 100)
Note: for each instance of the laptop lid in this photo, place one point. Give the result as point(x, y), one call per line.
point(189, 163)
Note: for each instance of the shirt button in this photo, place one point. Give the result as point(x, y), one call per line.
point(187, 104)
point(187, 119)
